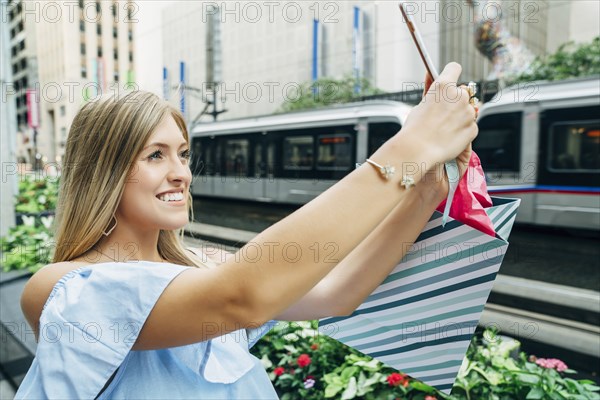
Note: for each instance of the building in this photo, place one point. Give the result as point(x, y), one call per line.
point(268, 49)
point(68, 52)
point(8, 124)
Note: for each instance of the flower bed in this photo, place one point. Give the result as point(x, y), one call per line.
point(304, 364)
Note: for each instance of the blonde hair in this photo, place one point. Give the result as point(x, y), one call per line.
point(103, 142)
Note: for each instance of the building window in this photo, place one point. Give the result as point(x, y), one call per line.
point(15, 68)
point(130, 56)
point(99, 29)
point(130, 35)
point(98, 7)
point(83, 72)
point(82, 49)
point(116, 77)
point(82, 26)
point(115, 32)
point(116, 54)
point(99, 51)
point(62, 111)
point(80, 3)
point(114, 9)
point(13, 51)
point(23, 63)
point(22, 45)
point(12, 33)
point(20, 27)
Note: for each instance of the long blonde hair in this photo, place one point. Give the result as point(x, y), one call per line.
point(105, 138)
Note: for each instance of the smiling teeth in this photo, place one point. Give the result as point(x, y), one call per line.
point(171, 196)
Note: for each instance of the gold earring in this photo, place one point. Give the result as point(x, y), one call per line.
point(111, 229)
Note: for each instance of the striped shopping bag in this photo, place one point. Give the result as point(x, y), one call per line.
point(421, 319)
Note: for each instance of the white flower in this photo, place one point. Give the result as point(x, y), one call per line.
point(28, 221)
point(47, 221)
point(309, 383)
point(42, 199)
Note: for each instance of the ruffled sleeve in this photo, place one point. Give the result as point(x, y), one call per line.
point(89, 324)
point(254, 335)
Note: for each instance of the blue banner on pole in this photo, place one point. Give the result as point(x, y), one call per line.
point(165, 83)
point(356, 53)
point(182, 86)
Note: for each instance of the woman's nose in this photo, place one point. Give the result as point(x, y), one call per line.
point(180, 171)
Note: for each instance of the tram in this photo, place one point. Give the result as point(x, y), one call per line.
point(289, 158)
point(540, 141)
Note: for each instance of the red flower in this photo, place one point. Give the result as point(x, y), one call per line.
point(314, 346)
point(430, 398)
point(278, 371)
point(303, 360)
point(396, 379)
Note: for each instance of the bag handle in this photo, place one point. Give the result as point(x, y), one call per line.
point(453, 175)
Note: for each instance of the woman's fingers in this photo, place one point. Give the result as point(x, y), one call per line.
point(451, 73)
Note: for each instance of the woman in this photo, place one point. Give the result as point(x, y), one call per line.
point(124, 311)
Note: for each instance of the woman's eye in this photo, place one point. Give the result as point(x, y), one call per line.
point(185, 154)
point(155, 155)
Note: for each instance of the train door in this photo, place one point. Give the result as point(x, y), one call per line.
point(237, 180)
point(202, 166)
point(264, 165)
point(569, 168)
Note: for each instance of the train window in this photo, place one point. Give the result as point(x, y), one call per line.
point(379, 133)
point(575, 145)
point(259, 164)
point(497, 143)
point(236, 157)
point(198, 160)
point(298, 153)
point(334, 152)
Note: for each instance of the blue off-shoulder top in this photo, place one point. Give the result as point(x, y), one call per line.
point(93, 317)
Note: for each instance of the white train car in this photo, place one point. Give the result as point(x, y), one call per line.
point(540, 141)
point(289, 158)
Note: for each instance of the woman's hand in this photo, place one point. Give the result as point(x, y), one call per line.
point(443, 124)
point(434, 185)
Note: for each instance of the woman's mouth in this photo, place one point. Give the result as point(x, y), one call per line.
point(174, 198)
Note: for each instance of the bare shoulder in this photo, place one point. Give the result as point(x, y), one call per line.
point(39, 287)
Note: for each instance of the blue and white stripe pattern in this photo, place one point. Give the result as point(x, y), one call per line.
point(421, 319)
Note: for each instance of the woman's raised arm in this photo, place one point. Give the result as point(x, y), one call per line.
point(289, 258)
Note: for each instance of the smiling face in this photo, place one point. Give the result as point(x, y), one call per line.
point(156, 191)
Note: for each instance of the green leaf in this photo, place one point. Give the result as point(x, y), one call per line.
point(266, 363)
point(350, 391)
point(332, 390)
point(372, 365)
point(535, 393)
point(348, 372)
point(591, 387)
point(528, 378)
point(420, 386)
